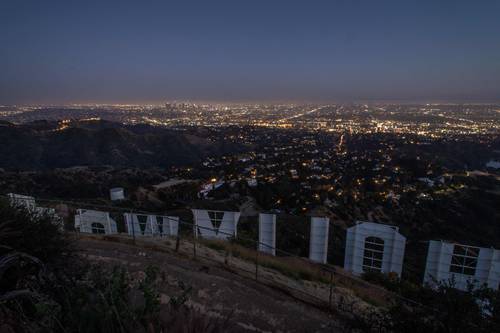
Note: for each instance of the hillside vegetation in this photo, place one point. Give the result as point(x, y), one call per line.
point(46, 145)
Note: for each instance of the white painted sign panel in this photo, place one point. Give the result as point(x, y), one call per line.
point(318, 243)
point(94, 222)
point(215, 224)
point(151, 225)
point(462, 264)
point(267, 233)
point(374, 247)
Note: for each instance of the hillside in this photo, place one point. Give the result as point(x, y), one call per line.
point(226, 289)
point(46, 145)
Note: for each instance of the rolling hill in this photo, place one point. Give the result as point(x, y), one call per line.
point(46, 145)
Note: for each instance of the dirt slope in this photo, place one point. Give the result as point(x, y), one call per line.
point(250, 306)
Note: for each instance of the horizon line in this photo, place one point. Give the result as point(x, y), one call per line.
point(256, 102)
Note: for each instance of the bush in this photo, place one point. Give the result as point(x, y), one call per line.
point(35, 235)
point(43, 288)
point(443, 308)
point(446, 309)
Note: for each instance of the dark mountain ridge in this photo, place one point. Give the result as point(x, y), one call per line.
point(47, 144)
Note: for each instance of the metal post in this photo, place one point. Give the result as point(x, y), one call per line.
point(131, 220)
point(170, 227)
point(80, 227)
point(109, 223)
point(177, 242)
point(194, 247)
point(62, 218)
point(152, 228)
point(331, 290)
point(256, 265)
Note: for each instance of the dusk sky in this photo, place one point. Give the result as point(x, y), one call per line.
point(153, 51)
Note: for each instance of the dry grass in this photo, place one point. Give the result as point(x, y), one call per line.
point(296, 268)
point(299, 269)
point(302, 269)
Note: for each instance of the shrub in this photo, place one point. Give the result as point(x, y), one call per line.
point(44, 289)
point(36, 235)
point(446, 309)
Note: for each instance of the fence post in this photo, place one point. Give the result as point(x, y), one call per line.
point(177, 242)
point(131, 221)
point(226, 258)
point(256, 265)
point(331, 290)
point(194, 247)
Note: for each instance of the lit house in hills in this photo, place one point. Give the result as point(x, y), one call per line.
point(94, 222)
point(374, 247)
point(462, 265)
point(215, 224)
point(151, 225)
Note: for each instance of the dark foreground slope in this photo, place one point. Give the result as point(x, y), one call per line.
point(246, 305)
point(45, 145)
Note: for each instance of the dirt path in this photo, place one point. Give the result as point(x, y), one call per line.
point(250, 306)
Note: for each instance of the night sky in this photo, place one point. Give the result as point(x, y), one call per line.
point(319, 51)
